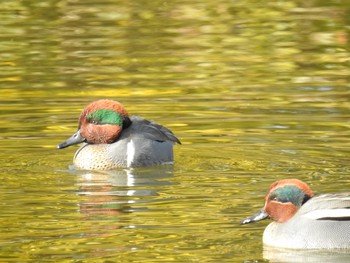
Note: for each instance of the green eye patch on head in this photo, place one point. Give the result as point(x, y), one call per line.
point(105, 116)
point(287, 194)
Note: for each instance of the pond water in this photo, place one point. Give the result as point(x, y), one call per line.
point(256, 91)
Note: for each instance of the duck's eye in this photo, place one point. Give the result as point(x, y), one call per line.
point(94, 121)
point(273, 198)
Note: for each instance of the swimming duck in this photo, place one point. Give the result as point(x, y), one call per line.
point(302, 220)
point(112, 139)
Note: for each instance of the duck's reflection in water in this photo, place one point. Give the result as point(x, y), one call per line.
point(282, 255)
point(111, 193)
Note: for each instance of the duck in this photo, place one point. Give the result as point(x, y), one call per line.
point(111, 139)
point(302, 220)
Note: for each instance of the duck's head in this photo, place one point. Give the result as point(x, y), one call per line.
point(282, 201)
point(101, 121)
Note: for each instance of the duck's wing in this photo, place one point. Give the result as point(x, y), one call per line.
point(334, 207)
point(152, 130)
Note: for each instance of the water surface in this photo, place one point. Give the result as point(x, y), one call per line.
point(255, 91)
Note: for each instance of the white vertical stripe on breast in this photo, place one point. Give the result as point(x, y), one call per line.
point(130, 151)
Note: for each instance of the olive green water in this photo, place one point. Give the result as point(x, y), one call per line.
point(256, 91)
